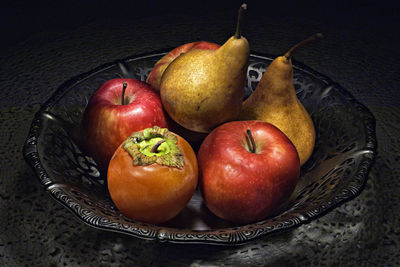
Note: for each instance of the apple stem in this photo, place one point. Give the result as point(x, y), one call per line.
point(252, 142)
point(124, 85)
point(238, 32)
point(310, 39)
point(155, 147)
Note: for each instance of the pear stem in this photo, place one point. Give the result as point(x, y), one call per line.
point(238, 32)
point(252, 142)
point(124, 85)
point(155, 147)
point(310, 39)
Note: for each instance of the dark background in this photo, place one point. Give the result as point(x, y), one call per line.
point(21, 19)
point(45, 43)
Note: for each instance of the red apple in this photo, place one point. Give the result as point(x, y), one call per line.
point(248, 169)
point(108, 120)
point(154, 77)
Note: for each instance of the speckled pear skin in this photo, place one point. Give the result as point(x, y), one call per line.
point(201, 89)
point(274, 100)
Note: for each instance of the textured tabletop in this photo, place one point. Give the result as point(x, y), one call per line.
point(359, 52)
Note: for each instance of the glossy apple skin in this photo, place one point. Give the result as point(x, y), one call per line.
point(153, 193)
point(106, 123)
point(241, 186)
point(154, 77)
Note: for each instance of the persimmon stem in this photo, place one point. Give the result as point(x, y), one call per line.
point(124, 85)
point(310, 39)
point(239, 23)
point(252, 142)
point(155, 147)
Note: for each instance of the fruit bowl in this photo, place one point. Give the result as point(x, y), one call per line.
point(336, 172)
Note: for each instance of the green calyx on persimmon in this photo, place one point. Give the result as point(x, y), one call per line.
point(154, 145)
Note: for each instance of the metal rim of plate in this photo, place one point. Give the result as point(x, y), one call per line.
point(300, 212)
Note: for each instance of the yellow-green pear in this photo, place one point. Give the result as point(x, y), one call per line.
point(274, 100)
point(201, 88)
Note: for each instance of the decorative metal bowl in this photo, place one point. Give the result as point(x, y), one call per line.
point(336, 172)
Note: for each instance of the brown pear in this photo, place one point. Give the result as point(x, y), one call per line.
point(201, 88)
point(274, 100)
